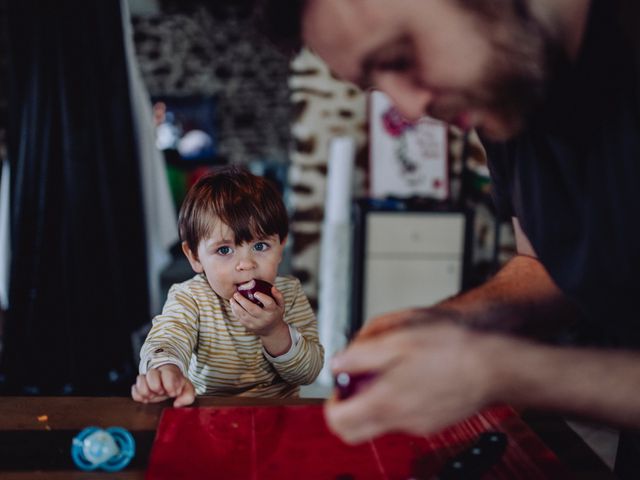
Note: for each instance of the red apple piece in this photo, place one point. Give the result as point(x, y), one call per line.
point(249, 289)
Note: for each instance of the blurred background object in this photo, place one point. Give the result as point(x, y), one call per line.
point(78, 282)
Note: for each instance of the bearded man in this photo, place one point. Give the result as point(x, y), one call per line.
point(552, 86)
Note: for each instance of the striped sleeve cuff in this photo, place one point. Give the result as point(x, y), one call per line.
point(293, 351)
point(157, 358)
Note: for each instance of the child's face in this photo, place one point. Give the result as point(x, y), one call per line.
point(227, 265)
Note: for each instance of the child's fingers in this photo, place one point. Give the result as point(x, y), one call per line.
point(141, 387)
point(240, 313)
point(245, 304)
point(266, 300)
point(136, 395)
point(140, 392)
point(186, 396)
point(236, 306)
point(172, 381)
point(276, 299)
point(277, 296)
point(154, 382)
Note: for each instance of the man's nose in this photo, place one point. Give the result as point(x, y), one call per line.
point(410, 99)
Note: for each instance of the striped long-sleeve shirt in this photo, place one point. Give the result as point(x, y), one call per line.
point(198, 332)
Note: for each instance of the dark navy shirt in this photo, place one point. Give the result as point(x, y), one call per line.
point(573, 180)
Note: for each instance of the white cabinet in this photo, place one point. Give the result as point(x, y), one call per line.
point(409, 259)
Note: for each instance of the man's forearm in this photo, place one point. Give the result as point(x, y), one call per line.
point(520, 298)
point(596, 384)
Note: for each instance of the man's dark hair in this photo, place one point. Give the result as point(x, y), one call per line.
point(280, 21)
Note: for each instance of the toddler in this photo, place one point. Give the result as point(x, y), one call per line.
point(210, 339)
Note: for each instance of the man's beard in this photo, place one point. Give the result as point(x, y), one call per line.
point(526, 67)
point(526, 58)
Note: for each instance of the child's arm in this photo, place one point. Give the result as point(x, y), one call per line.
point(303, 362)
point(170, 342)
point(289, 339)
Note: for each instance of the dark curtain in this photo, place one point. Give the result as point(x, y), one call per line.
point(78, 284)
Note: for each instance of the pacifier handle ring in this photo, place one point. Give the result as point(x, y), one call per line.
point(76, 450)
point(126, 445)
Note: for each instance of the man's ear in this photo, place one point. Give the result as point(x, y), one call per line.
point(193, 259)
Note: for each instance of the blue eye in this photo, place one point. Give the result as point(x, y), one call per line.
point(261, 246)
point(224, 250)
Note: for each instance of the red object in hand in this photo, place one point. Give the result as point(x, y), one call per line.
point(349, 385)
point(249, 289)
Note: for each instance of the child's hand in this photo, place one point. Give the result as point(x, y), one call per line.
point(267, 322)
point(166, 381)
point(263, 321)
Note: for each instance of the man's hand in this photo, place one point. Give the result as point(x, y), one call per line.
point(426, 378)
point(161, 383)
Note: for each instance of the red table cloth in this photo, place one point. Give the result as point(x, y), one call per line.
point(293, 442)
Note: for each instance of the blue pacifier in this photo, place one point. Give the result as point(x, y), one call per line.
point(110, 449)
